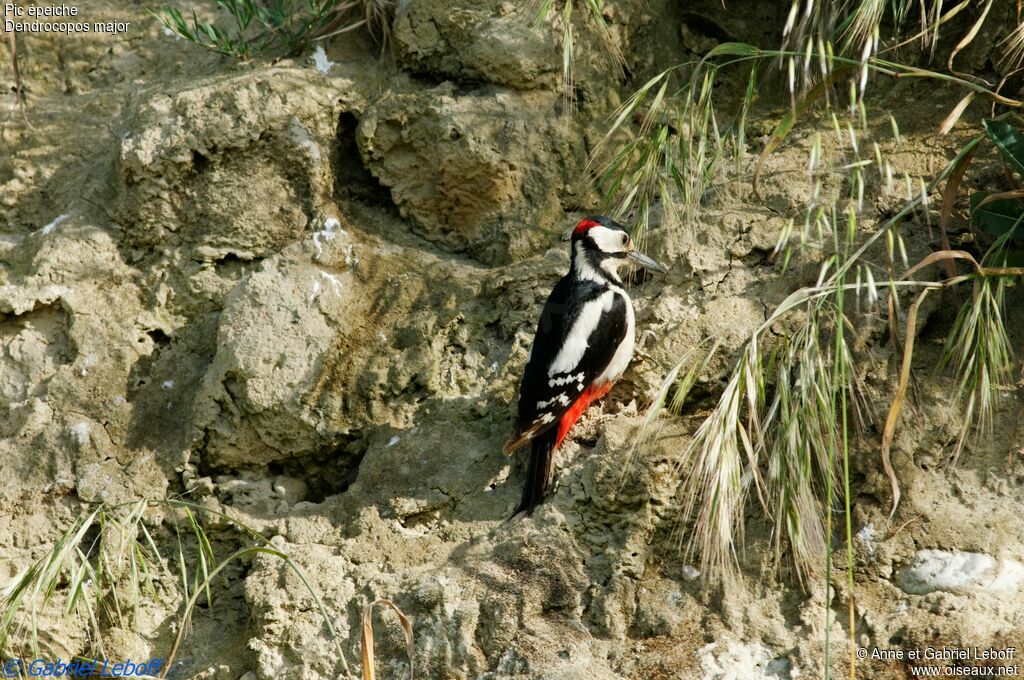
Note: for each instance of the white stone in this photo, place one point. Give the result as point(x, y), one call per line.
point(867, 536)
point(734, 660)
point(690, 572)
point(959, 572)
point(320, 60)
point(80, 432)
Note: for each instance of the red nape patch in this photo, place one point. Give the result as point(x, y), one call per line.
point(569, 418)
point(583, 225)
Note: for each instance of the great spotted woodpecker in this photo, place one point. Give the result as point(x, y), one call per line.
point(584, 342)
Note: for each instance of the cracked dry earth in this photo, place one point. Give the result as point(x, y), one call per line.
point(300, 293)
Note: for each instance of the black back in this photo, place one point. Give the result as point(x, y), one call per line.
point(561, 311)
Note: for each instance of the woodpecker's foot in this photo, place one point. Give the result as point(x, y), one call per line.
point(643, 356)
point(647, 334)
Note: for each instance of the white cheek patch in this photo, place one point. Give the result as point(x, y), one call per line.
point(608, 240)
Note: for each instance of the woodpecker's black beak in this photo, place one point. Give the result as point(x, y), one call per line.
point(644, 261)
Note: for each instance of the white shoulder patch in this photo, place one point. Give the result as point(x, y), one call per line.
point(578, 339)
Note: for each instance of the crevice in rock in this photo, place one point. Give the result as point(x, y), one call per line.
point(159, 338)
point(235, 265)
point(420, 518)
point(199, 162)
point(141, 372)
point(352, 179)
point(706, 27)
point(939, 319)
point(756, 257)
point(328, 473)
point(428, 80)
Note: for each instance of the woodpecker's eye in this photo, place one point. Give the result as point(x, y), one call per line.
point(625, 239)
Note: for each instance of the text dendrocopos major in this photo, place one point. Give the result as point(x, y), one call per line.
point(583, 344)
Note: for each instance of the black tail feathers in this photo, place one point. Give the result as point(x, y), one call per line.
point(538, 472)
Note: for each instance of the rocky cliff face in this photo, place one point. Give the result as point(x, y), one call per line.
point(302, 297)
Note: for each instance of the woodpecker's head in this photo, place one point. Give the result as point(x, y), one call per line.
point(600, 245)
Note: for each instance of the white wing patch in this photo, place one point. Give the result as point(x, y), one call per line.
point(562, 399)
point(577, 341)
point(565, 380)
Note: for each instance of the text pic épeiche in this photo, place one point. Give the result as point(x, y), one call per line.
point(11, 9)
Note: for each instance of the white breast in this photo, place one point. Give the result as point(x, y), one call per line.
point(624, 352)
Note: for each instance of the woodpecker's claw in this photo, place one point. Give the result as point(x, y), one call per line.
point(645, 261)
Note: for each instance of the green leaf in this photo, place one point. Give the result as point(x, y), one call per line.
point(1010, 142)
point(997, 217)
point(733, 49)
